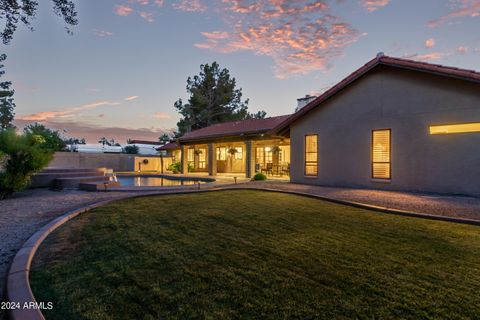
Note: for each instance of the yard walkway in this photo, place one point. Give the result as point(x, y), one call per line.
point(28, 211)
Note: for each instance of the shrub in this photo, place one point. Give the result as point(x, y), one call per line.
point(175, 167)
point(259, 176)
point(131, 149)
point(21, 156)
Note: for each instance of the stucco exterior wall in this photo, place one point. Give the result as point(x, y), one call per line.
point(407, 102)
point(117, 162)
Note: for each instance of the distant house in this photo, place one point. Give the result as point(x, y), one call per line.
point(145, 147)
point(393, 124)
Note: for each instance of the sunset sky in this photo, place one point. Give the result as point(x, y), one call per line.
point(127, 62)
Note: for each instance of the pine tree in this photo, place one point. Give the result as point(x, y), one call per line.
point(7, 105)
point(214, 98)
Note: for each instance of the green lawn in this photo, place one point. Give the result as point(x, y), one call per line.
point(254, 254)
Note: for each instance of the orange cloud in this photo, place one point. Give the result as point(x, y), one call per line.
point(300, 36)
point(461, 9)
point(131, 98)
point(66, 113)
point(161, 116)
point(430, 43)
point(373, 5)
point(462, 50)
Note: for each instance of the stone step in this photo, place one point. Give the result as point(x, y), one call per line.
point(74, 182)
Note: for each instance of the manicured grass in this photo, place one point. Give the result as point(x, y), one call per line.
point(254, 254)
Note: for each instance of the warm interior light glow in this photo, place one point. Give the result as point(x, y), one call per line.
point(381, 154)
point(455, 128)
point(268, 149)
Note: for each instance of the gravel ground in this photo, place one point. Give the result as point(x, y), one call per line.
point(452, 206)
point(28, 211)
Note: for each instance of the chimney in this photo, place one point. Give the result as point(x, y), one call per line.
point(302, 102)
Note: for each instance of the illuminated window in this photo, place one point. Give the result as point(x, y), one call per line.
point(239, 153)
point(311, 155)
point(381, 154)
point(191, 155)
point(221, 153)
point(202, 158)
point(455, 128)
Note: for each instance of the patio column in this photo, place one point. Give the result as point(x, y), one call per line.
point(212, 160)
point(183, 159)
point(249, 159)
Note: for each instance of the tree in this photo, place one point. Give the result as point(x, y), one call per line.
point(75, 141)
point(164, 138)
point(20, 157)
point(6, 100)
point(15, 11)
point(214, 98)
point(131, 149)
point(53, 140)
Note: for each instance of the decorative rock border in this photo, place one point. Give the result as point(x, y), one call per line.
point(18, 286)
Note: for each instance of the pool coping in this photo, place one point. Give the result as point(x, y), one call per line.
point(18, 284)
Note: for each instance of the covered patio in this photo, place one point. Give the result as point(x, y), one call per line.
point(238, 147)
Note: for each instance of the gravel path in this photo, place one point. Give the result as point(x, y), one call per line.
point(28, 211)
point(451, 206)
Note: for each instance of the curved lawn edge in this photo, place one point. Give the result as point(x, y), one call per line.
point(18, 288)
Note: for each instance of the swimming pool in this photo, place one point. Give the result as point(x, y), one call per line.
point(156, 181)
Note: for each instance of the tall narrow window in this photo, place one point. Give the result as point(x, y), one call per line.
point(381, 154)
point(221, 153)
point(191, 155)
point(202, 158)
point(311, 155)
point(239, 153)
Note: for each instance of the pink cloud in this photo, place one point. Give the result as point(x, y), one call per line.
point(430, 43)
point(460, 9)
point(161, 116)
point(373, 5)
point(300, 36)
point(130, 98)
point(190, 6)
point(123, 10)
point(146, 15)
point(65, 113)
point(462, 50)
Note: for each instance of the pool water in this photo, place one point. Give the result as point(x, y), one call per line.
point(154, 182)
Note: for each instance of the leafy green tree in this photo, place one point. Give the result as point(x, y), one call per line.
point(53, 140)
point(6, 100)
point(20, 157)
point(214, 98)
point(131, 149)
point(13, 12)
point(164, 138)
point(75, 141)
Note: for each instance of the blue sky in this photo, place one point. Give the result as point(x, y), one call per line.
point(128, 60)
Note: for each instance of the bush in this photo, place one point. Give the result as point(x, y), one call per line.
point(175, 167)
point(131, 149)
point(259, 176)
point(21, 156)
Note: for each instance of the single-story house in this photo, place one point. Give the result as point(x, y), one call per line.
point(393, 124)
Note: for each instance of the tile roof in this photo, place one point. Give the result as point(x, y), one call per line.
point(144, 142)
point(234, 128)
point(381, 59)
point(169, 146)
